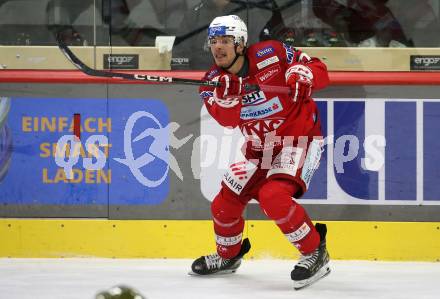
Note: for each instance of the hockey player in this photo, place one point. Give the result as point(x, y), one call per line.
point(282, 149)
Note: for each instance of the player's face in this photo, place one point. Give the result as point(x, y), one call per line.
point(223, 50)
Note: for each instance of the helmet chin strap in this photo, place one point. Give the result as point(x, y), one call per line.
point(235, 59)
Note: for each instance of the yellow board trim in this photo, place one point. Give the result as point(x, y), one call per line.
point(348, 240)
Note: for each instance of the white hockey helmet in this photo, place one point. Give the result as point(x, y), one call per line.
point(229, 25)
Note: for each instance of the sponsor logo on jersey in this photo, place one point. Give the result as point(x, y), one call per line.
point(265, 51)
point(232, 183)
point(253, 98)
point(289, 53)
point(206, 94)
point(261, 127)
point(311, 162)
point(239, 170)
point(238, 175)
point(268, 61)
point(263, 110)
point(286, 161)
point(212, 74)
point(268, 74)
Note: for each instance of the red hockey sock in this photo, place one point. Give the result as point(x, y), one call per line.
point(228, 223)
point(275, 198)
point(299, 230)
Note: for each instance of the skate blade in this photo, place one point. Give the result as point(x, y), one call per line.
point(323, 272)
point(224, 272)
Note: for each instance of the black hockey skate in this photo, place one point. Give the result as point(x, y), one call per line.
point(215, 264)
point(310, 268)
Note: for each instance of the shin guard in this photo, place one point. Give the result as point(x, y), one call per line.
point(275, 198)
point(227, 212)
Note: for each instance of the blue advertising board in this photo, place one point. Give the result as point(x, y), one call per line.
point(121, 156)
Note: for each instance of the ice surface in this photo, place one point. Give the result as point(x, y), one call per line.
point(166, 278)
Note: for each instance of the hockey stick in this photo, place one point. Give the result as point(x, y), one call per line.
point(152, 78)
point(115, 75)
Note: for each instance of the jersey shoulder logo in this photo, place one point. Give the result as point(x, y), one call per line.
point(212, 73)
point(289, 53)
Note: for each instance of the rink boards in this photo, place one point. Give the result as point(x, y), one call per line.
point(150, 159)
point(347, 240)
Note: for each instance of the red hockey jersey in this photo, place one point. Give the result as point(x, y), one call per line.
point(260, 113)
